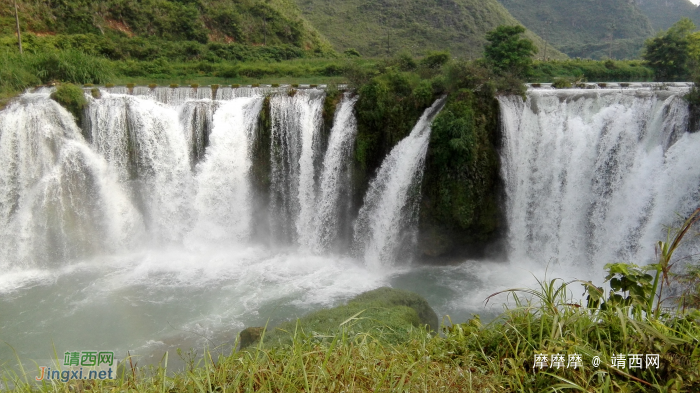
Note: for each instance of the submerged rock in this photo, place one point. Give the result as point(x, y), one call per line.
point(249, 336)
point(385, 314)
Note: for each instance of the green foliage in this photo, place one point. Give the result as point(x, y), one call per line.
point(508, 52)
point(72, 98)
point(351, 52)
point(562, 83)
point(18, 72)
point(460, 188)
point(435, 59)
point(156, 49)
point(263, 22)
point(592, 70)
point(669, 53)
point(584, 28)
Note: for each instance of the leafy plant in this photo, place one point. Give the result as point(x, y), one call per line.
point(562, 83)
point(508, 52)
point(669, 53)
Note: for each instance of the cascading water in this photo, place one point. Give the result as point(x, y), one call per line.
point(335, 177)
point(390, 210)
point(58, 200)
point(145, 143)
point(296, 123)
point(148, 221)
point(223, 187)
point(592, 177)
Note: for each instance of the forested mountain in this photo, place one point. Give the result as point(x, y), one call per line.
point(664, 13)
point(256, 22)
point(584, 28)
point(381, 27)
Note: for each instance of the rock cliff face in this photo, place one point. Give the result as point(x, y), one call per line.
point(460, 211)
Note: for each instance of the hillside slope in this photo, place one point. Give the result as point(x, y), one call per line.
point(256, 22)
point(664, 13)
point(583, 28)
point(386, 27)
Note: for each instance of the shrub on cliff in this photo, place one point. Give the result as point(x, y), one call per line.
point(72, 98)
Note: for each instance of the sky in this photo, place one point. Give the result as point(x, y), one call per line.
point(695, 1)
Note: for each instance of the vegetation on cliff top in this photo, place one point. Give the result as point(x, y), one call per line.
point(72, 98)
point(253, 22)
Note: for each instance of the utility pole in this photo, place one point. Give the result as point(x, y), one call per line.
point(19, 33)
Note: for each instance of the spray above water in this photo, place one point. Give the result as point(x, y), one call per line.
point(385, 226)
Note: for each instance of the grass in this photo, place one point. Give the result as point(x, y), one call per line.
point(592, 70)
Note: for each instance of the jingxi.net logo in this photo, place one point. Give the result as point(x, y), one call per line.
point(82, 365)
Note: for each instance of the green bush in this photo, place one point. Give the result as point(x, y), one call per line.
point(72, 98)
point(435, 59)
point(351, 52)
point(507, 52)
point(562, 83)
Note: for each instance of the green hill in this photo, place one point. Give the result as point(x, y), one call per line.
point(582, 28)
point(664, 13)
point(386, 27)
point(254, 22)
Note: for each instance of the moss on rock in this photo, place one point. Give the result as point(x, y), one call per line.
point(460, 211)
point(72, 98)
point(385, 313)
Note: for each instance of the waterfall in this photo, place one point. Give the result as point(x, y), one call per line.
point(143, 140)
point(592, 177)
point(335, 176)
point(58, 200)
point(296, 122)
point(223, 187)
point(196, 119)
point(386, 222)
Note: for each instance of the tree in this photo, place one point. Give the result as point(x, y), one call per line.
point(507, 52)
point(670, 52)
